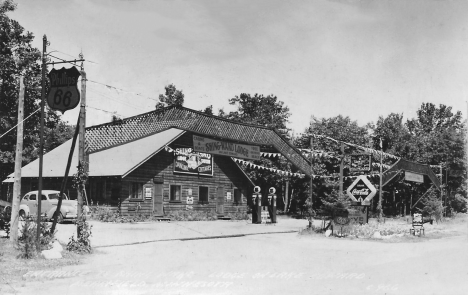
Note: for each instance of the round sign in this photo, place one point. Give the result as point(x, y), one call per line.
point(272, 190)
point(63, 93)
point(257, 189)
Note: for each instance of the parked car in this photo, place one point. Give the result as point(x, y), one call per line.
point(49, 200)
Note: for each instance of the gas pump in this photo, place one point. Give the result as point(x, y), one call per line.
point(272, 204)
point(256, 218)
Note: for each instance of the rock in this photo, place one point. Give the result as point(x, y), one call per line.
point(377, 235)
point(56, 246)
point(51, 254)
point(328, 233)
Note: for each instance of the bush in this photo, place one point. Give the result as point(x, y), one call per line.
point(82, 244)
point(239, 215)
point(5, 217)
point(27, 239)
point(368, 230)
point(183, 215)
point(433, 207)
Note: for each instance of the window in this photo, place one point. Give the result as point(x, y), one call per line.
point(44, 198)
point(175, 192)
point(203, 195)
point(136, 190)
point(32, 197)
point(237, 196)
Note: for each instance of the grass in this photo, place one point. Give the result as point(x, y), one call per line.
point(448, 227)
point(12, 268)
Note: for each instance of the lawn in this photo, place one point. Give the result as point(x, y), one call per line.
point(12, 269)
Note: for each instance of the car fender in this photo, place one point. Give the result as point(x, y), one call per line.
point(25, 208)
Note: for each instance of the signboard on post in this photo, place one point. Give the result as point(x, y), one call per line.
point(63, 93)
point(360, 162)
point(361, 191)
point(190, 162)
point(224, 148)
point(410, 176)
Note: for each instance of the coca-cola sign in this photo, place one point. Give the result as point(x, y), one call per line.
point(361, 190)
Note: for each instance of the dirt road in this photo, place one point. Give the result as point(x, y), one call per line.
point(283, 263)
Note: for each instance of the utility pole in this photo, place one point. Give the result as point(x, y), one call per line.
point(286, 196)
point(41, 144)
point(18, 159)
point(379, 204)
point(81, 142)
point(341, 169)
point(311, 176)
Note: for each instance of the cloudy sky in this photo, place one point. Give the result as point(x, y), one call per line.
point(361, 59)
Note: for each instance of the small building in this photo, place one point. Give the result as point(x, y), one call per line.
point(148, 164)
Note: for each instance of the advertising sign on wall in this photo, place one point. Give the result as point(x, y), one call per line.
point(188, 161)
point(360, 162)
point(224, 148)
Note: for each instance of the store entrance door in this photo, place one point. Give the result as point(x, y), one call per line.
point(220, 200)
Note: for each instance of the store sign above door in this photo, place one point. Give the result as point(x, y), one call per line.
point(409, 176)
point(224, 148)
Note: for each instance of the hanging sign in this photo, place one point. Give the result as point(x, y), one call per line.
point(224, 148)
point(410, 176)
point(361, 190)
point(190, 162)
point(360, 162)
point(63, 93)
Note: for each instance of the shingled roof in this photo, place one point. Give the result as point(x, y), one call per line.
point(405, 165)
point(108, 135)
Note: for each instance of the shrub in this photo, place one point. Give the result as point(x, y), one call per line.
point(27, 239)
point(82, 244)
point(239, 215)
point(433, 207)
point(368, 230)
point(183, 215)
point(5, 217)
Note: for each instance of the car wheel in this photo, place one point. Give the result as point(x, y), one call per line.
point(22, 215)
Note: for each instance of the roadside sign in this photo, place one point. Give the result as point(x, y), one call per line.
point(361, 191)
point(410, 176)
point(360, 162)
point(63, 93)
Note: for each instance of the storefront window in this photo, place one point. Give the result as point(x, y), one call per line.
point(175, 192)
point(136, 190)
point(203, 194)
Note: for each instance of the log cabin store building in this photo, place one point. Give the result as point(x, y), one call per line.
point(166, 160)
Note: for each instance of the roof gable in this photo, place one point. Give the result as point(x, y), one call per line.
point(405, 165)
point(112, 134)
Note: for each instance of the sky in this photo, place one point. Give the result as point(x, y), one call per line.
point(323, 58)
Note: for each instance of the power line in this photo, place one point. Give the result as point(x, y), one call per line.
point(20, 122)
point(120, 89)
point(124, 103)
point(72, 55)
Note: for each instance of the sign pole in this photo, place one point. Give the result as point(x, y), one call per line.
point(341, 169)
point(41, 144)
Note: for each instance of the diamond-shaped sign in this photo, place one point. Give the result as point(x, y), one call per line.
point(361, 190)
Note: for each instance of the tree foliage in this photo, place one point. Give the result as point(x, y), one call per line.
point(172, 96)
point(19, 57)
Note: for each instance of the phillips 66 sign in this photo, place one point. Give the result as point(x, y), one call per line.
point(63, 93)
